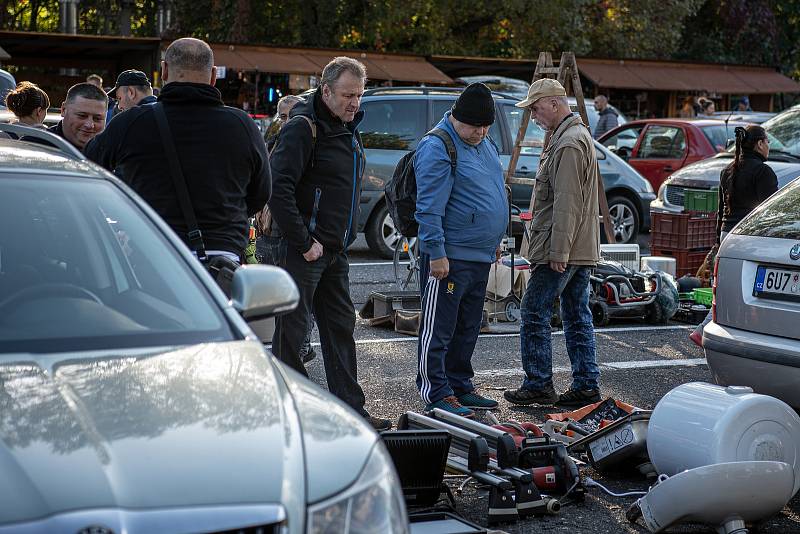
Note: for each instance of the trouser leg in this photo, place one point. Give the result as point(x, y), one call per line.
point(336, 320)
point(576, 316)
point(458, 364)
point(291, 328)
point(436, 327)
point(536, 312)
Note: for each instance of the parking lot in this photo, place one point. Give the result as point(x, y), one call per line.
point(639, 364)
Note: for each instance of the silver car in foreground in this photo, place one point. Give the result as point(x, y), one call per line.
point(134, 398)
point(754, 339)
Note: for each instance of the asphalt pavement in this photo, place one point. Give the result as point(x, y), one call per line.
point(639, 364)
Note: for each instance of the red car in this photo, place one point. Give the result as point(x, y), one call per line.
point(658, 147)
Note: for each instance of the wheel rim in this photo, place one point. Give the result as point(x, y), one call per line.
point(622, 218)
point(389, 233)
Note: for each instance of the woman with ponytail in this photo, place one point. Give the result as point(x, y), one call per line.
point(29, 103)
point(744, 184)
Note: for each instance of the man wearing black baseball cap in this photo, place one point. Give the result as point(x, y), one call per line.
point(132, 89)
point(462, 213)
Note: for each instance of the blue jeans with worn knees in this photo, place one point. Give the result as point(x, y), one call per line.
point(544, 286)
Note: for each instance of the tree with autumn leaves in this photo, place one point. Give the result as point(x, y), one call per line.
point(763, 32)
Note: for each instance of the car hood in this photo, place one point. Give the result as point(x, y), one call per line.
point(705, 174)
point(212, 424)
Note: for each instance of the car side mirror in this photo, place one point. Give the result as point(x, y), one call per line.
point(263, 291)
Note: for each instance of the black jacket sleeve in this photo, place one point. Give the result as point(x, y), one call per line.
point(260, 186)
point(104, 147)
point(288, 161)
point(766, 183)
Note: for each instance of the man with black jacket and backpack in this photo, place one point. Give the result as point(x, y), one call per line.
point(220, 153)
point(462, 211)
point(317, 167)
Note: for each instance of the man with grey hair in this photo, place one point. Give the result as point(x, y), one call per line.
point(220, 152)
point(317, 167)
point(563, 247)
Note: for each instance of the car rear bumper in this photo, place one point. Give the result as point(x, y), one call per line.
point(768, 364)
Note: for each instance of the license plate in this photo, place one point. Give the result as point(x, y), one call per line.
point(607, 445)
point(776, 282)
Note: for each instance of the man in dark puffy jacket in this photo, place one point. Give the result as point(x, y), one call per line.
point(608, 117)
point(317, 167)
point(221, 153)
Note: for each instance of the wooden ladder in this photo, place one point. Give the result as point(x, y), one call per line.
point(567, 75)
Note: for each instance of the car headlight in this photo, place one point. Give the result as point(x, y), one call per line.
point(661, 191)
point(373, 504)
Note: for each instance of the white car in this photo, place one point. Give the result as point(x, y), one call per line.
point(754, 339)
point(134, 398)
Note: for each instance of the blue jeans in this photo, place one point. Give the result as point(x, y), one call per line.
point(544, 286)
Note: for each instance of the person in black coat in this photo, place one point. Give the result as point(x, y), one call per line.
point(317, 166)
point(744, 184)
point(220, 150)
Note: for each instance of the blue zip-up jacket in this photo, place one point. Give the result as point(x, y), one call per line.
point(463, 214)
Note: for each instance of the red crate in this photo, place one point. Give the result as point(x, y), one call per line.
point(688, 261)
point(682, 231)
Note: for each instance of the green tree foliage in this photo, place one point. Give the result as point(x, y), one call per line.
point(764, 32)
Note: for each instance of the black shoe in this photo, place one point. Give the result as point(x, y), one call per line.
point(378, 424)
point(578, 398)
point(522, 396)
point(308, 356)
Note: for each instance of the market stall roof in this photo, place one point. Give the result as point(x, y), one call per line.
point(313, 60)
point(62, 50)
point(636, 74)
point(673, 76)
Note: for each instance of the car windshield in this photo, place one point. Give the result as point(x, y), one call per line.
point(783, 132)
point(778, 217)
point(719, 135)
point(82, 268)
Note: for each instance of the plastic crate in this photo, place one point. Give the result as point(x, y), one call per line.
point(682, 231)
point(687, 261)
point(701, 200)
point(703, 295)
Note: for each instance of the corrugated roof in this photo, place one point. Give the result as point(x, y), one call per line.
point(664, 76)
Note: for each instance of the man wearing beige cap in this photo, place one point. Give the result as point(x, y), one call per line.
point(563, 247)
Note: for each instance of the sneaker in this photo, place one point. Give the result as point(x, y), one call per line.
point(308, 356)
point(578, 398)
point(451, 404)
point(474, 400)
point(378, 424)
point(523, 396)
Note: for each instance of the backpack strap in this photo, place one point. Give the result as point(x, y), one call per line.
point(447, 139)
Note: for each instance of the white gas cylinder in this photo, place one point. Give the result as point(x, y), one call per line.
point(698, 424)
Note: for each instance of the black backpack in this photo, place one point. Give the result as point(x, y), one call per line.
point(401, 191)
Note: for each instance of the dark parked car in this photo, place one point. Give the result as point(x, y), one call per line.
point(658, 147)
point(784, 157)
point(397, 118)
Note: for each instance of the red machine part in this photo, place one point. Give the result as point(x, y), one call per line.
point(545, 478)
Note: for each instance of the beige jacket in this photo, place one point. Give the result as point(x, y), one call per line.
point(565, 225)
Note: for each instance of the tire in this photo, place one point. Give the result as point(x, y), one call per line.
point(600, 315)
point(511, 309)
point(381, 234)
point(655, 314)
point(625, 218)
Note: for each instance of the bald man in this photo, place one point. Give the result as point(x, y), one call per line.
point(220, 150)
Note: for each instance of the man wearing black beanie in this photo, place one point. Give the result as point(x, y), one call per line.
point(461, 211)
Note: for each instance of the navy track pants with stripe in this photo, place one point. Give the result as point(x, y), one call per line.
point(452, 310)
